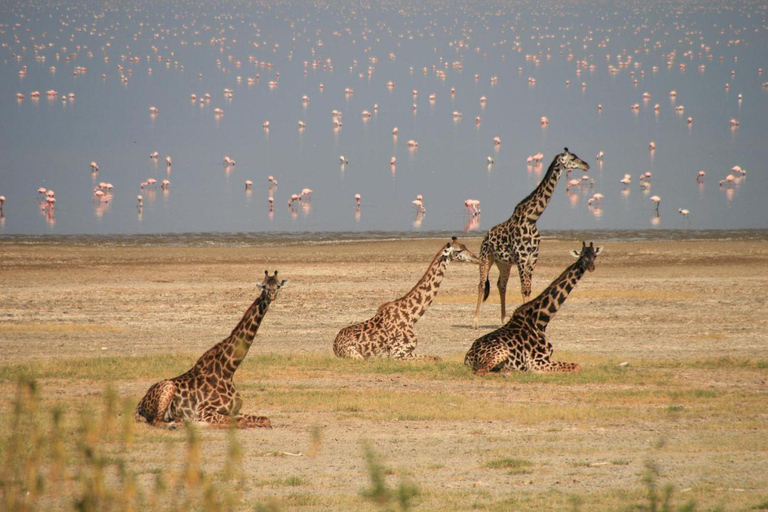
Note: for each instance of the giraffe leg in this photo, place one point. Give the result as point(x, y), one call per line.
point(504, 269)
point(489, 362)
point(405, 346)
point(482, 287)
point(214, 418)
point(525, 280)
point(349, 352)
point(555, 367)
point(153, 408)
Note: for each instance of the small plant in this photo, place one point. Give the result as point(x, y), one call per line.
point(516, 466)
point(660, 502)
point(379, 492)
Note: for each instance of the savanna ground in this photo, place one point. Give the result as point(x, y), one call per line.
point(673, 396)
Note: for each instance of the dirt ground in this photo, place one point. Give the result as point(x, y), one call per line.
point(648, 303)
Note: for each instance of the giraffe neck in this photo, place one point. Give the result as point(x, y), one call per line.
point(544, 307)
point(531, 208)
point(416, 301)
point(230, 352)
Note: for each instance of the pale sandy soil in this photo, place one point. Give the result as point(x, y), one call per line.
point(646, 302)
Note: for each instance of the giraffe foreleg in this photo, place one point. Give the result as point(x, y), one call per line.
point(526, 274)
point(486, 363)
point(405, 346)
point(483, 287)
point(214, 418)
point(154, 407)
point(555, 367)
point(504, 269)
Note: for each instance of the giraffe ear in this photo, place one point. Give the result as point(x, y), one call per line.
point(575, 254)
point(261, 286)
point(283, 283)
point(598, 250)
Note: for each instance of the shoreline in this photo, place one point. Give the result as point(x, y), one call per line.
point(297, 238)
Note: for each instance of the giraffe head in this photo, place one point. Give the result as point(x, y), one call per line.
point(271, 285)
point(568, 160)
point(456, 251)
point(587, 255)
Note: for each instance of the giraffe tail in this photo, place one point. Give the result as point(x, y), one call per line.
point(487, 289)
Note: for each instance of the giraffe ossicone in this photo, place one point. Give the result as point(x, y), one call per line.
point(516, 240)
point(521, 344)
point(390, 332)
point(207, 393)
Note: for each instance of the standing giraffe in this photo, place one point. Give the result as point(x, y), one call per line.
point(390, 331)
point(521, 344)
point(207, 393)
point(516, 241)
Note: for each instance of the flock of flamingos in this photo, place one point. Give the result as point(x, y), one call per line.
point(103, 194)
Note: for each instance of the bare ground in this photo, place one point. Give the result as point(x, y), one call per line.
point(689, 317)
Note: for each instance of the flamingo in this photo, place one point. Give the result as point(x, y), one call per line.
point(544, 121)
point(229, 161)
point(572, 183)
point(657, 200)
point(496, 141)
point(140, 201)
point(392, 161)
point(472, 206)
point(305, 192)
point(394, 131)
point(165, 184)
point(489, 160)
point(94, 167)
point(700, 176)
point(42, 191)
point(2, 202)
point(153, 155)
point(626, 180)
point(652, 146)
point(248, 184)
point(265, 125)
point(683, 212)
point(272, 180)
point(419, 203)
point(357, 200)
point(168, 161)
point(600, 155)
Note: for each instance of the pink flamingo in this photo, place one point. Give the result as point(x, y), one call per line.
point(700, 176)
point(42, 191)
point(168, 161)
point(419, 203)
point(229, 161)
point(572, 183)
point(600, 155)
point(657, 200)
point(357, 200)
point(248, 184)
point(140, 201)
point(153, 155)
point(306, 192)
point(2, 202)
point(94, 167)
point(294, 197)
point(496, 141)
point(473, 207)
point(272, 180)
point(165, 184)
point(544, 121)
point(652, 146)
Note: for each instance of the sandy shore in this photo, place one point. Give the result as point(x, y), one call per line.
point(648, 303)
point(645, 300)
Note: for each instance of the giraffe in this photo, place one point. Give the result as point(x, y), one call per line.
point(207, 393)
point(521, 344)
point(516, 241)
point(390, 331)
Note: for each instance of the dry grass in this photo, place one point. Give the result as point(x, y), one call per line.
point(691, 397)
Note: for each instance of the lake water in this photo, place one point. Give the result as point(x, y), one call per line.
point(528, 59)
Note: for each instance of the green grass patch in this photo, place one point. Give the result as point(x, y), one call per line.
point(514, 465)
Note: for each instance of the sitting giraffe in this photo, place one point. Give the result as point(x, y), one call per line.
point(390, 332)
point(521, 344)
point(207, 393)
point(516, 240)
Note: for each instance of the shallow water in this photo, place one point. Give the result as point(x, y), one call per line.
point(194, 50)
